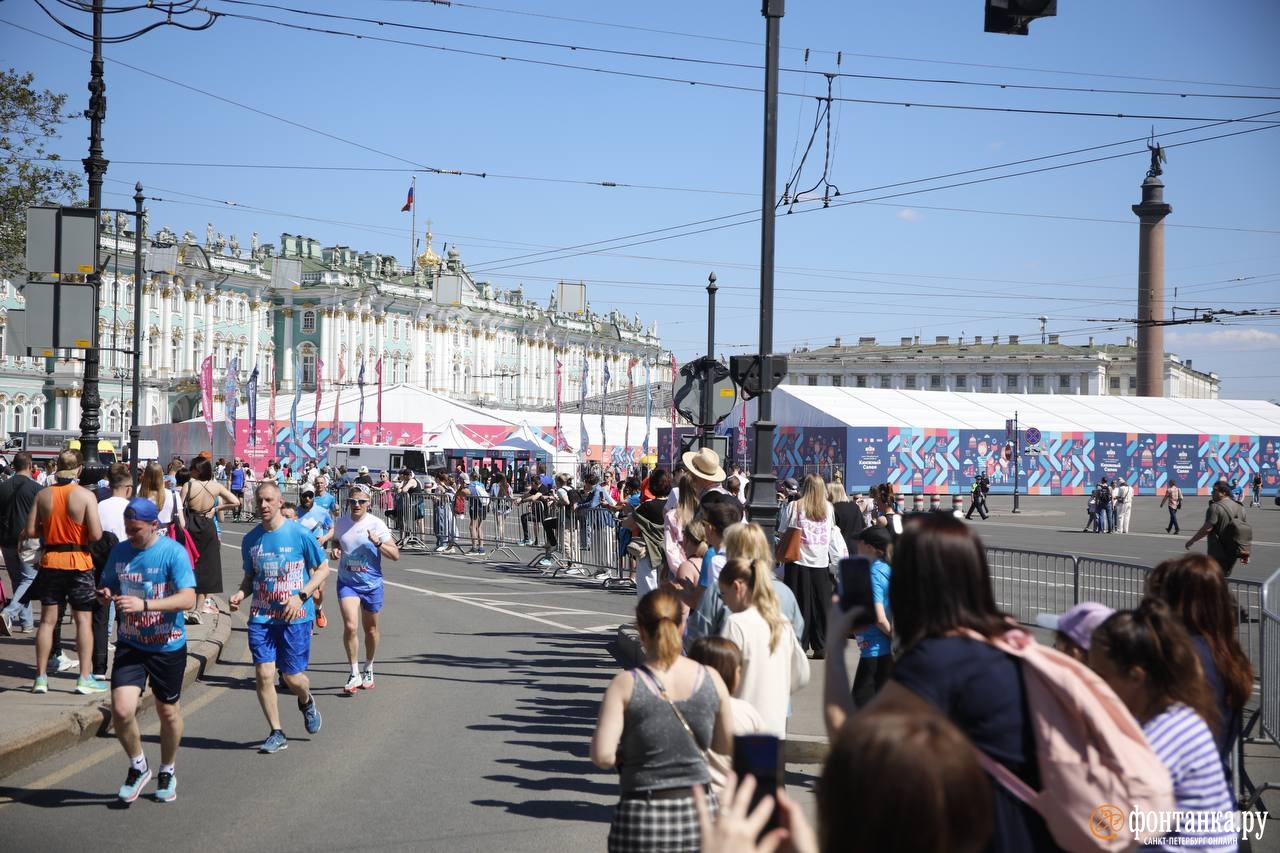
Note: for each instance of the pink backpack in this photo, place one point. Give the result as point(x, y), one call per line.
point(1095, 762)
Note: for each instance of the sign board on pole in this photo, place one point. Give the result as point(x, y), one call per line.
point(571, 297)
point(688, 395)
point(162, 259)
point(59, 316)
point(61, 241)
point(1032, 436)
point(286, 274)
point(447, 289)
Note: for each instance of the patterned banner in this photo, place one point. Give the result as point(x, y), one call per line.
point(315, 419)
point(560, 442)
point(742, 436)
point(271, 407)
point(251, 393)
point(206, 394)
point(231, 396)
point(335, 428)
point(297, 398)
point(377, 371)
point(360, 416)
point(584, 440)
point(648, 406)
point(631, 385)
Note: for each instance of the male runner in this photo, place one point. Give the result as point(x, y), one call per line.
point(283, 566)
point(319, 520)
point(150, 579)
point(360, 541)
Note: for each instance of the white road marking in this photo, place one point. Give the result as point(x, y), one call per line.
point(462, 600)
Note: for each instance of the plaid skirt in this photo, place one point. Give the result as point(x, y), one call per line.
point(658, 826)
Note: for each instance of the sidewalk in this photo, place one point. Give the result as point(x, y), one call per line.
point(35, 726)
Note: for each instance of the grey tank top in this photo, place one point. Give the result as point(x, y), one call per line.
point(656, 751)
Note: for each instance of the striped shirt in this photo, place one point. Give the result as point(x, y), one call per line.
point(1184, 743)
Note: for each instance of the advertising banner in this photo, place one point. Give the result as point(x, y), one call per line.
point(1144, 462)
point(923, 460)
point(980, 454)
point(1182, 462)
point(1269, 463)
point(1225, 457)
point(669, 444)
point(1065, 465)
point(868, 457)
point(800, 451)
point(1109, 455)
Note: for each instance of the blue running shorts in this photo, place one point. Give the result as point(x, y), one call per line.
point(287, 646)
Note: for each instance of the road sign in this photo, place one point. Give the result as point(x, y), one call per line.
point(688, 395)
point(58, 316)
point(1032, 436)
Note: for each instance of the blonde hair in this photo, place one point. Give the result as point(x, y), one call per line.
point(813, 498)
point(152, 485)
point(746, 542)
point(696, 532)
point(836, 494)
point(687, 506)
point(658, 614)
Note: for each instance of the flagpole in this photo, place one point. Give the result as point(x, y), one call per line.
point(413, 230)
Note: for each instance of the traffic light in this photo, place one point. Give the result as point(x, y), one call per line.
point(1014, 16)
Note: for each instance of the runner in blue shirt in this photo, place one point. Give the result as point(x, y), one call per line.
point(150, 580)
point(237, 485)
point(283, 567)
point(360, 542)
point(319, 520)
point(323, 497)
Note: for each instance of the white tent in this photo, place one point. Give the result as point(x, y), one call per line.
point(453, 436)
point(527, 438)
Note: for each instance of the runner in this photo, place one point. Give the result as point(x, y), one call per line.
point(360, 541)
point(329, 502)
point(148, 574)
point(65, 518)
point(238, 472)
point(283, 566)
point(318, 520)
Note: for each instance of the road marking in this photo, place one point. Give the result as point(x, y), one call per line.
point(477, 579)
point(503, 610)
point(1173, 536)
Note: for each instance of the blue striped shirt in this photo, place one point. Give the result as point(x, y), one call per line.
point(1184, 743)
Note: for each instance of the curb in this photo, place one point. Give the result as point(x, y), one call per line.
point(796, 749)
point(24, 748)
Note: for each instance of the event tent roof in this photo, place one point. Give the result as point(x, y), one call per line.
point(800, 405)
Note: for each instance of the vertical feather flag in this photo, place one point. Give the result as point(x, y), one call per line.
point(251, 395)
point(335, 428)
point(206, 394)
point(377, 371)
point(230, 396)
point(584, 440)
point(315, 419)
point(293, 410)
point(648, 406)
point(604, 394)
point(561, 444)
point(360, 416)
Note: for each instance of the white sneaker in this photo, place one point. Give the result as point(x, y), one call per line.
point(66, 664)
point(353, 684)
point(440, 549)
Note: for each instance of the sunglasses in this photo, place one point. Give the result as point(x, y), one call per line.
point(359, 500)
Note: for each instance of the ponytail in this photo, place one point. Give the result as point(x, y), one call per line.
point(746, 545)
point(658, 615)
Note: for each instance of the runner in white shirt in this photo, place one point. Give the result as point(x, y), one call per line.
point(360, 541)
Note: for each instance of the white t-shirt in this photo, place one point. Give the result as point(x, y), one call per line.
point(111, 515)
point(766, 675)
point(818, 543)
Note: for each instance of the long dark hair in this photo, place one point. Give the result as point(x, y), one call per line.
point(1152, 638)
point(941, 582)
point(1195, 590)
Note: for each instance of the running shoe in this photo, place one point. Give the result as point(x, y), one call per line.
point(166, 787)
point(576, 571)
point(352, 685)
point(440, 549)
point(321, 619)
point(603, 574)
point(41, 684)
point(275, 742)
point(546, 563)
point(478, 551)
point(524, 542)
point(66, 664)
point(90, 685)
point(133, 784)
point(366, 680)
point(311, 716)
point(6, 625)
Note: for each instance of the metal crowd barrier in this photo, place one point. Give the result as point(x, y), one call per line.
point(1027, 583)
point(1118, 585)
point(1267, 715)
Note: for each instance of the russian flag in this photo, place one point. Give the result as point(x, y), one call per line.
point(409, 203)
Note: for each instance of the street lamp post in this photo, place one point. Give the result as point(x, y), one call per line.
point(706, 425)
point(763, 507)
point(95, 167)
point(135, 424)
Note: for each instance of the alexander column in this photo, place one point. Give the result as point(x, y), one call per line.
point(1151, 214)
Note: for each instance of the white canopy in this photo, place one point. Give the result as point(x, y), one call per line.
point(454, 436)
point(527, 438)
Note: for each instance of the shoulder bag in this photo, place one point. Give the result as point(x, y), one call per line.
point(788, 550)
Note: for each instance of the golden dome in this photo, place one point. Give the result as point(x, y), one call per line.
point(429, 260)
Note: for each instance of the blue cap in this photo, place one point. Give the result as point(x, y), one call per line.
point(141, 509)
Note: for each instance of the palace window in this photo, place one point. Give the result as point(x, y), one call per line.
point(308, 321)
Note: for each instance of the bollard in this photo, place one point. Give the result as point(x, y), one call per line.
point(957, 504)
point(935, 503)
point(917, 502)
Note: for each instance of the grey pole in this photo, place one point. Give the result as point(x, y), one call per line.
point(1017, 459)
point(763, 504)
point(135, 428)
point(706, 425)
point(95, 167)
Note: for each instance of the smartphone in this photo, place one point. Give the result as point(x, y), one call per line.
point(855, 588)
point(760, 756)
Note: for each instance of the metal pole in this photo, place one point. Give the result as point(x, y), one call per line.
point(706, 424)
point(95, 167)
point(1017, 459)
point(763, 506)
point(413, 230)
point(135, 426)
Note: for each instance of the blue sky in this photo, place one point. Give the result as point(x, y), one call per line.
point(897, 266)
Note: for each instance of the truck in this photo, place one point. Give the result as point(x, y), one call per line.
point(44, 445)
point(418, 458)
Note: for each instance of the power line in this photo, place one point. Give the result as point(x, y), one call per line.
point(838, 54)
point(705, 83)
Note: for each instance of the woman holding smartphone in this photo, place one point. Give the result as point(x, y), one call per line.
point(656, 724)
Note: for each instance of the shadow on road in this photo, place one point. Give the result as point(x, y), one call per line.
point(56, 798)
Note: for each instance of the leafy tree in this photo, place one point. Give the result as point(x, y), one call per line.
point(28, 119)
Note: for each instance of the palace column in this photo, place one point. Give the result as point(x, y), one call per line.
point(188, 327)
point(166, 330)
point(287, 380)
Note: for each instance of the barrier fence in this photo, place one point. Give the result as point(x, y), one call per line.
point(1266, 718)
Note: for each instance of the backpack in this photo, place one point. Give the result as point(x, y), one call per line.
point(460, 504)
point(1237, 536)
point(1091, 751)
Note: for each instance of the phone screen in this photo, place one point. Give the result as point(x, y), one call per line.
point(760, 756)
point(855, 587)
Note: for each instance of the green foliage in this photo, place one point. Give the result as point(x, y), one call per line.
point(28, 119)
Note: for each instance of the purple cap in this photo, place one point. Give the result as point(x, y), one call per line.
point(1078, 623)
point(141, 509)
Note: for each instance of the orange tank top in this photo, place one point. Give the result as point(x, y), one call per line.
point(59, 531)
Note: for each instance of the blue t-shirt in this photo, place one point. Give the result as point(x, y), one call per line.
point(156, 572)
point(237, 479)
point(873, 643)
point(279, 562)
point(361, 565)
point(327, 502)
point(712, 563)
point(317, 520)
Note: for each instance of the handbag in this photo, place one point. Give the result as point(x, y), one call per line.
point(662, 691)
point(788, 550)
point(178, 533)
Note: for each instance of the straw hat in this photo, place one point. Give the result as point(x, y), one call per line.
point(704, 464)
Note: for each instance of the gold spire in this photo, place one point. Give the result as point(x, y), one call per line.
point(429, 260)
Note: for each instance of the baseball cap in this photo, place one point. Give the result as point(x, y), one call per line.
point(141, 509)
point(877, 537)
point(308, 489)
point(1078, 623)
point(364, 469)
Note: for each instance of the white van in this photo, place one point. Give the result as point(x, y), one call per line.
point(419, 459)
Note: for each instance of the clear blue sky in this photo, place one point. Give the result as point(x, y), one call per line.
point(901, 266)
